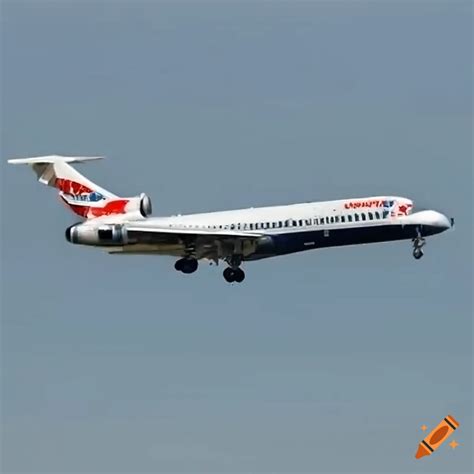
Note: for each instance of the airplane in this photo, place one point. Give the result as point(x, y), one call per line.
point(125, 226)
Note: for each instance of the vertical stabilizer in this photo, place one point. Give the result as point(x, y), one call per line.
point(79, 193)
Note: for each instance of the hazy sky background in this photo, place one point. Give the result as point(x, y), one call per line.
point(327, 361)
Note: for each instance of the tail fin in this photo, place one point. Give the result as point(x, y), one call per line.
point(80, 194)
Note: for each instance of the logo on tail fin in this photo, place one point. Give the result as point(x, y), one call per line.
point(77, 191)
point(77, 196)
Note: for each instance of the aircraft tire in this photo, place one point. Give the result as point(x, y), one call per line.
point(229, 275)
point(239, 275)
point(189, 265)
point(417, 253)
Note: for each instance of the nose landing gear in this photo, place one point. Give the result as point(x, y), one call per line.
point(417, 253)
point(418, 244)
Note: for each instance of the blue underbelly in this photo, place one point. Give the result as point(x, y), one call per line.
point(291, 242)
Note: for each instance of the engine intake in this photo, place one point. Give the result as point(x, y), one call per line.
point(145, 205)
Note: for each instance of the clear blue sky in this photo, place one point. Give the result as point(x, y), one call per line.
point(328, 361)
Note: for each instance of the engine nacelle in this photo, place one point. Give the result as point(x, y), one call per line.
point(104, 235)
point(145, 205)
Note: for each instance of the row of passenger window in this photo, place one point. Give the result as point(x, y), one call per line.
point(304, 222)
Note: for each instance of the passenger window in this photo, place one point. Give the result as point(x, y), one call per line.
point(300, 222)
point(377, 215)
point(321, 220)
point(327, 220)
point(349, 218)
point(371, 216)
point(308, 221)
point(332, 219)
point(251, 226)
point(343, 219)
point(280, 224)
point(356, 216)
point(232, 226)
point(336, 219)
point(363, 216)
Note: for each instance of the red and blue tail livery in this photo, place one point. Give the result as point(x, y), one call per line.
point(78, 193)
point(86, 202)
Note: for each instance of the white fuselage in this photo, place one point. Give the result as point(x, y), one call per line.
point(306, 216)
point(299, 227)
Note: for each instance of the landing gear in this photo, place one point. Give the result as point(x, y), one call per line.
point(234, 274)
point(418, 244)
point(186, 265)
point(417, 253)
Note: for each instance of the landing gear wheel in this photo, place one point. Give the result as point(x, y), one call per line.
point(229, 275)
point(417, 253)
point(239, 275)
point(186, 265)
point(234, 274)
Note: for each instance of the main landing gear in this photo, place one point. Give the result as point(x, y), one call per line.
point(418, 244)
point(233, 272)
point(186, 265)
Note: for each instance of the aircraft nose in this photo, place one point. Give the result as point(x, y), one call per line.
point(443, 221)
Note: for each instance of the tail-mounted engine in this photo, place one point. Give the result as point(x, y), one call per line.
point(139, 205)
point(113, 235)
point(145, 205)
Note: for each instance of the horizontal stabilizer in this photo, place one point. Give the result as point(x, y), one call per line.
point(53, 159)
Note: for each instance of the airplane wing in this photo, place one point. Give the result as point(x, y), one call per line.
point(205, 243)
point(176, 231)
